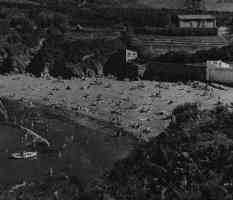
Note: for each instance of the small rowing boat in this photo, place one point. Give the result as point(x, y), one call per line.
point(24, 155)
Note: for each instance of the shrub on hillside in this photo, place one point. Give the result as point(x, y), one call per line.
point(4, 12)
point(193, 162)
point(186, 112)
point(22, 23)
point(46, 19)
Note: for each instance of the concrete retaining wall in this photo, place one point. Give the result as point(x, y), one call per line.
point(174, 72)
point(214, 72)
point(221, 75)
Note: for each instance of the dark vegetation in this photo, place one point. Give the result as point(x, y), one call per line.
point(117, 67)
point(135, 16)
point(66, 50)
point(69, 50)
point(191, 160)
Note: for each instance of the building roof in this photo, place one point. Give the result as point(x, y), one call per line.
point(194, 17)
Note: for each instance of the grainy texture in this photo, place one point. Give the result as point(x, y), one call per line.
point(135, 106)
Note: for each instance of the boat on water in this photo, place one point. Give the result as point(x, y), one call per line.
point(24, 155)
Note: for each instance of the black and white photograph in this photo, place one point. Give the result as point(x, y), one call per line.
point(116, 99)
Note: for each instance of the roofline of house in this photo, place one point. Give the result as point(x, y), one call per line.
point(196, 17)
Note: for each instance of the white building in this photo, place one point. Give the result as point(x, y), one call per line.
point(217, 64)
point(196, 21)
point(130, 55)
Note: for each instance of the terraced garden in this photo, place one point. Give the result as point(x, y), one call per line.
point(176, 43)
